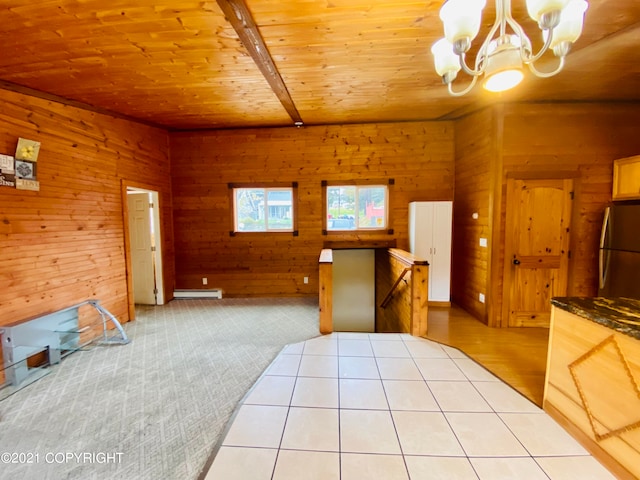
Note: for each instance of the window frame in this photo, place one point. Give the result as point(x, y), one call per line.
point(386, 183)
point(266, 186)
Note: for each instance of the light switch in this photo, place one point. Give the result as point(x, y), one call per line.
point(483, 242)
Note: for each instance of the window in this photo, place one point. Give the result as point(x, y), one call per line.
point(356, 207)
point(258, 209)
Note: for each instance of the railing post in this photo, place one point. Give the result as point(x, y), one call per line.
point(419, 299)
point(405, 307)
point(326, 291)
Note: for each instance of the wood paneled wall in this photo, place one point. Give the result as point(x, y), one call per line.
point(65, 243)
point(418, 156)
point(578, 140)
point(475, 154)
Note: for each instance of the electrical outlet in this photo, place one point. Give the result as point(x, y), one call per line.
point(204, 280)
point(481, 297)
point(306, 280)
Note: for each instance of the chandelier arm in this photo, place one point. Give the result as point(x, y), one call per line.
point(465, 91)
point(524, 39)
point(527, 56)
point(482, 51)
point(518, 31)
point(503, 14)
point(466, 69)
point(543, 50)
point(540, 74)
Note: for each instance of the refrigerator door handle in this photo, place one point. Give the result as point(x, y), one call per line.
point(605, 227)
point(602, 268)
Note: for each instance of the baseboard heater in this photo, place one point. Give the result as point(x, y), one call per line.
point(210, 293)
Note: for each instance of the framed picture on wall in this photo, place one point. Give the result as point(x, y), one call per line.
point(27, 150)
point(26, 170)
point(26, 165)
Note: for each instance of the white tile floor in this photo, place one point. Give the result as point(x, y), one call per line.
point(357, 406)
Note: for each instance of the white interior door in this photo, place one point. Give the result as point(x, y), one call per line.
point(354, 290)
point(142, 255)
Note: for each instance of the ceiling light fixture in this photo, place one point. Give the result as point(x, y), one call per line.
point(502, 55)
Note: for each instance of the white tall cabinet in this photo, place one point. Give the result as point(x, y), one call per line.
point(430, 226)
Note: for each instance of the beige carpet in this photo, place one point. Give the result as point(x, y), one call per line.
point(152, 409)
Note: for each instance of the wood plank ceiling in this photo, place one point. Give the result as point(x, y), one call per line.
point(252, 63)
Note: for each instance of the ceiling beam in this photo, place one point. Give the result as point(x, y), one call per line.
point(240, 18)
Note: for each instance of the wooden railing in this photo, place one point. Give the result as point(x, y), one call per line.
point(406, 279)
point(326, 291)
point(389, 295)
point(402, 286)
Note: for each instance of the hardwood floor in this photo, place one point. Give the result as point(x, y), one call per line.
point(516, 355)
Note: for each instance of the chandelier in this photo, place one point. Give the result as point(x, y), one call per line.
point(503, 53)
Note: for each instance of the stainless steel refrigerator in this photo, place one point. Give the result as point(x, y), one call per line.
point(620, 252)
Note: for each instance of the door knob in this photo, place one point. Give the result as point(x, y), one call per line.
point(516, 261)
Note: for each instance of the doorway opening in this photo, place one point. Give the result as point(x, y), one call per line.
point(145, 246)
point(354, 290)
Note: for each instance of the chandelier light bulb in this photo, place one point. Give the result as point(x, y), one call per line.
point(537, 8)
point(461, 19)
point(446, 62)
point(504, 80)
point(571, 20)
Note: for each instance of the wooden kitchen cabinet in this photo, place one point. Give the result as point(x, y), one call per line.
point(626, 178)
point(591, 384)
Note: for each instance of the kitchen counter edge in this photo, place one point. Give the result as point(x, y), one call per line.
point(614, 313)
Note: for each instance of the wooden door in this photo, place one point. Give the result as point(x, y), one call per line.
point(142, 255)
point(536, 249)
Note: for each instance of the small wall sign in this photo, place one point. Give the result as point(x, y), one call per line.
point(21, 172)
point(7, 171)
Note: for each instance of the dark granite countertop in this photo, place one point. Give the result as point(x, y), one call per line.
point(619, 314)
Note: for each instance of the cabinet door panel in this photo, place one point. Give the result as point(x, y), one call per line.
point(440, 269)
point(626, 178)
point(421, 237)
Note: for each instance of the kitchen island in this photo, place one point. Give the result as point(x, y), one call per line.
point(593, 377)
